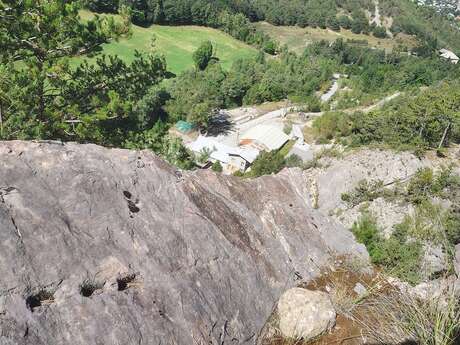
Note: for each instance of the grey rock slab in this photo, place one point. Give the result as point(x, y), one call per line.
point(457, 260)
point(163, 256)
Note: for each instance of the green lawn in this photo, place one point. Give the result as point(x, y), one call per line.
point(177, 43)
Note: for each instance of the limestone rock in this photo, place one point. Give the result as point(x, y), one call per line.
point(386, 213)
point(305, 314)
point(341, 175)
point(434, 260)
point(360, 289)
point(108, 246)
point(457, 260)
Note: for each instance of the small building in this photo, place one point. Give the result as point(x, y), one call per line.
point(449, 55)
point(184, 130)
point(232, 159)
point(184, 127)
point(264, 138)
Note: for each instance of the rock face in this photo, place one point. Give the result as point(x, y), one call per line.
point(457, 260)
point(305, 314)
point(101, 246)
point(341, 175)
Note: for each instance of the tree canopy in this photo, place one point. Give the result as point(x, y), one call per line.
point(203, 55)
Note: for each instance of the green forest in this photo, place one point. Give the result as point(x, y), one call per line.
point(106, 100)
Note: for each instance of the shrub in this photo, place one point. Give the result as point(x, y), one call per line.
point(367, 232)
point(89, 286)
point(294, 161)
point(270, 47)
point(203, 55)
point(287, 129)
point(332, 125)
point(420, 186)
point(333, 23)
point(400, 259)
point(364, 191)
point(267, 163)
point(426, 184)
point(217, 167)
point(396, 255)
point(345, 22)
point(379, 32)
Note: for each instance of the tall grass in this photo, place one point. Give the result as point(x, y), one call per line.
point(395, 317)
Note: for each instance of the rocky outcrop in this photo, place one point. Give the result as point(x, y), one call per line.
point(109, 246)
point(336, 176)
point(305, 314)
point(457, 260)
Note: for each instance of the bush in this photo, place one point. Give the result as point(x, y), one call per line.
point(287, 129)
point(267, 163)
point(345, 22)
point(396, 255)
point(379, 32)
point(420, 186)
point(333, 23)
point(332, 125)
point(426, 184)
point(89, 286)
point(270, 47)
point(217, 167)
point(203, 55)
point(294, 161)
point(364, 191)
point(367, 232)
point(312, 104)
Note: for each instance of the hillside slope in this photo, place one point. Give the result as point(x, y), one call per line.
point(177, 44)
point(424, 19)
point(103, 246)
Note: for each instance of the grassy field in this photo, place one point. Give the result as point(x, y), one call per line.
point(177, 43)
point(297, 38)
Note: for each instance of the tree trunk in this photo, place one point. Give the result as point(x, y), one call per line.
point(444, 136)
point(41, 101)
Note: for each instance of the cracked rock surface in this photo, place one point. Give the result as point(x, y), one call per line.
point(109, 246)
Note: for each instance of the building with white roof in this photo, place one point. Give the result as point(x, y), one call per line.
point(264, 138)
point(231, 158)
point(449, 55)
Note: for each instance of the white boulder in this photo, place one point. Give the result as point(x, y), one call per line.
point(305, 314)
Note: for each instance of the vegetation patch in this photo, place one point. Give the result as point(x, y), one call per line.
point(127, 281)
point(89, 286)
point(398, 255)
point(428, 120)
point(297, 38)
point(42, 297)
point(420, 188)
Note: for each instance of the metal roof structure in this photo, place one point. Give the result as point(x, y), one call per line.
point(222, 152)
point(265, 137)
point(184, 126)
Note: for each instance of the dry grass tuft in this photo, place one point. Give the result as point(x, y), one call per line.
point(395, 317)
